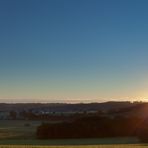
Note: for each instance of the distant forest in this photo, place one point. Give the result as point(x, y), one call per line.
point(95, 127)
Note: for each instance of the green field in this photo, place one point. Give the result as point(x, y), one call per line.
point(89, 146)
point(17, 129)
point(98, 141)
point(15, 134)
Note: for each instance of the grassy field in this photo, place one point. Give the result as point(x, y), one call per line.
point(100, 141)
point(21, 134)
point(18, 129)
point(89, 146)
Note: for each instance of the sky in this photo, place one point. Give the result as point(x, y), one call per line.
point(73, 50)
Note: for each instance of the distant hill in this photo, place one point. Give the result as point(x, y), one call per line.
point(63, 107)
point(138, 110)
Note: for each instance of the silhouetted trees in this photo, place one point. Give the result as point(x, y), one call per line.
point(91, 127)
point(12, 115)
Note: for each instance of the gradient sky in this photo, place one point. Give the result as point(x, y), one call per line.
point(73, 50)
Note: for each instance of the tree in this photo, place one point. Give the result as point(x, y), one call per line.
point(12, 115)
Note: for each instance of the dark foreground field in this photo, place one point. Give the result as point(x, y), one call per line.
point(106, 141)
point(21, 134)
point(88, 146)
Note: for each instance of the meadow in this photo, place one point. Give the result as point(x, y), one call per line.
point(88, 146)
point(21, 134)
point(18, 129)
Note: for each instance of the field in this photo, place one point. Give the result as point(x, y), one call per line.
point(18, 129)
point(21, 134)
point(89, 146)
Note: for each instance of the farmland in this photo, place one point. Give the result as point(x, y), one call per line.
point(18, 129)
point(22, 132)
point(88, 146)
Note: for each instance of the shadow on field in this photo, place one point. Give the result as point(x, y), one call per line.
point(101, 141)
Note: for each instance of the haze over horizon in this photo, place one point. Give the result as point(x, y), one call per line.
point(72, 50)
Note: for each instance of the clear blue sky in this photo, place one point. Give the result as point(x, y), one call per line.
point(73, 50)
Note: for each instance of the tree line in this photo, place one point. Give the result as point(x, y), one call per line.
point(94, 127)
